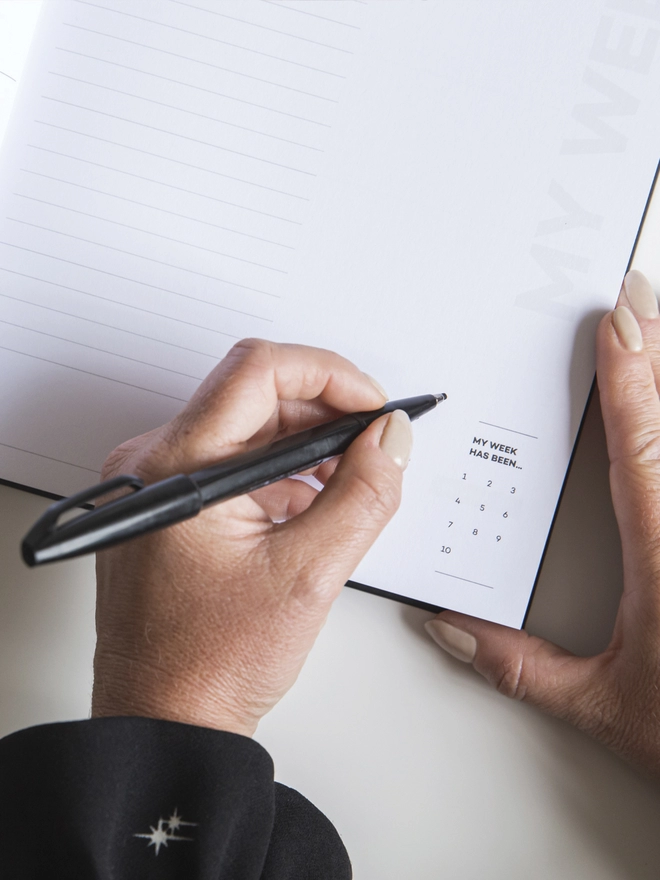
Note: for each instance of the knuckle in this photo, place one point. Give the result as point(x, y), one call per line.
point(148, 456)
point(311, 588)
point(513, 677)
point(124, 458)
point(250, 350)
point(644, 448)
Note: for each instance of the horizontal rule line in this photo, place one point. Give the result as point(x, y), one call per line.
point(312, 14)
point(467, 580)
point(268, 82)
point(178, 134)
point(510, 430)
point(49, 458)
point(177, 162)
point(29, 302)
point(101, 350)
point(190, 192)
point(262, 27)
point(116, 302)
point(208, 37)
point(89, 373)
point(142, 205)
point(183, 110)
point(151, 259)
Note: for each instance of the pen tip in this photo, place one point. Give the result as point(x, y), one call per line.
point(440, 397)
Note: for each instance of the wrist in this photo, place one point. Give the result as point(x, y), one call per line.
point(126, 687)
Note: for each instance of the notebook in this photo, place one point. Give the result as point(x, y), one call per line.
point(447, 193)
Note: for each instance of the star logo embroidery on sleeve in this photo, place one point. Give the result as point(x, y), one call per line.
point(165, 831)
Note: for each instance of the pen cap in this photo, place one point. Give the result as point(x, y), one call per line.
point(148, 509)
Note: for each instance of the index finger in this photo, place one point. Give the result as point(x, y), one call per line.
point(631, 415)
point(240, 395)
point(627, 384)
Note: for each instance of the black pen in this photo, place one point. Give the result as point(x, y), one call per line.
point(182, 497)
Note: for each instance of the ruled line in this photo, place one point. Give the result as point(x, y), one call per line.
point(90, 373)
point(262, 27)
point(126, 225)
point(467, 580)
point(191, 192)
point(312, 14)
point(114, 302)
point(150, 180)
point(184, 110)
point(48, 457)
point(124, 277)
point(212, 39)
point(29, 302)
point(143, 205)
point(510, 430)
point(210, 64)
point(102, 350)
point(190, 86)
point(177, 162)
point(151, 259)
point(185, 137)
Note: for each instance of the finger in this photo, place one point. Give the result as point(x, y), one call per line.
point(631, 415)
point(284, 499)
point(291, 416)
point(241, 394)
point(638, 295)
point(348, 515)
point(527, 668)
point(626, 381)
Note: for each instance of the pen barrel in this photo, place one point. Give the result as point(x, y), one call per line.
point(162, 504)
point(291, 455)
point(283, 458)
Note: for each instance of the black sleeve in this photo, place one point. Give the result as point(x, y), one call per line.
point(123, 798)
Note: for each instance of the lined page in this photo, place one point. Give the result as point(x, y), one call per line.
point(169, 155)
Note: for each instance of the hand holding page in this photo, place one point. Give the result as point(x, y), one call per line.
point(447, 193)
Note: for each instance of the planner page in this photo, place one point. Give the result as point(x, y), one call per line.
point(447, 193)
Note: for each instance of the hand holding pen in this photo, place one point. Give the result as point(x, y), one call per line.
point(210, 621)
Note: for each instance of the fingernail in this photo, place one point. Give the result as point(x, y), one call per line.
point(640, 294)
point(378, 386)
point(455, 641)
point(627, 329)
point(396, 439)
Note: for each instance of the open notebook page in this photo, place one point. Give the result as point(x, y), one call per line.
point(448, 193)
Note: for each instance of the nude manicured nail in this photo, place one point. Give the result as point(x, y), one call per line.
point(455, 641)
point(640, 294)
point(627, 329)
point(378, 386)
point(396, 440)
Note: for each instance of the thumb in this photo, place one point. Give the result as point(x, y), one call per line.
point(524, 667)
point(357, 502)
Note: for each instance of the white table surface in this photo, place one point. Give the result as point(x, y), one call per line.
point(426, 772)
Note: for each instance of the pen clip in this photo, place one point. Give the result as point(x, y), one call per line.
point(47, 523)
